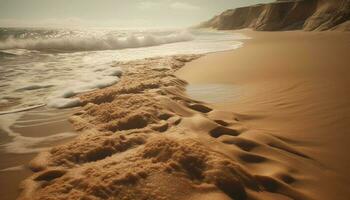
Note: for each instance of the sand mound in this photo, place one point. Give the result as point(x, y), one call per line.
point(145, 139)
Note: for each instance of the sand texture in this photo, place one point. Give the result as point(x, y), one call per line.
point(25, 134)
point(286, 137)
point(309, 15)
point(145, 139)
point(295, 86)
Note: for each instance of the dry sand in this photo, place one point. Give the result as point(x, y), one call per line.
point(295, 86)
point(144, 138)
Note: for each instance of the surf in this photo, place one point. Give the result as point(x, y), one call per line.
point(94, 43)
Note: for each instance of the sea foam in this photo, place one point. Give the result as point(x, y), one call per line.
point(94, 43)
point(61, 66)
point(101, 79)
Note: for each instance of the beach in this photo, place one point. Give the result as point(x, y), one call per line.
point(272, 127)
point(175, 100)
point(293, 85)
point(43, 71)
point(25, 134)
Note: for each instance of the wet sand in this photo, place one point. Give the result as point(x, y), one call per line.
point(281, 133)
point(34, 124)
point(144, 138)
point(294, 85)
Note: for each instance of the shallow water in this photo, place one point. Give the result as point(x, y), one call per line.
point(22, 136)
point(213, 93)
point(50, 66)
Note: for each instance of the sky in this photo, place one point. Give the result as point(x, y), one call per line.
point(113, 13)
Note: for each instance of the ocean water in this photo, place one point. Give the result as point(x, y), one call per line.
point(46, 67)
point(213, 93)
point(49, 66)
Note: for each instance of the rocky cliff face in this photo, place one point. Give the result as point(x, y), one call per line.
point(330, 14)
point(286, 15)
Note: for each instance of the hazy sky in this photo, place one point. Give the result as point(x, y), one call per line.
point(115, 13)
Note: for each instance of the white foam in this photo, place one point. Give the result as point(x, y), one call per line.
point(94, 43)
point(21, 109)
point(103, 79)
point(22, 144)
point(17, 52)
point(64, 102)
point(105, 82)
point(56, 78)
point(114, 72)
point(33, 87)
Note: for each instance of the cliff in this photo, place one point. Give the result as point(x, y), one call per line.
point(286, 15)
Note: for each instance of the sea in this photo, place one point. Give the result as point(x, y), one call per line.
point(49, 66)
point(43, 69)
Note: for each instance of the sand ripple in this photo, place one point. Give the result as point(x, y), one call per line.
point(143, 138)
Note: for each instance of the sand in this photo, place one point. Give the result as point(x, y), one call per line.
point(293, 85)
point(31, 133)
point(144, 138)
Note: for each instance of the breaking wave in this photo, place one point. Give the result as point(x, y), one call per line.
point(94, 43)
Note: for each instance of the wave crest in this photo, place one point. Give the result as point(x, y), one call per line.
point(94, 43)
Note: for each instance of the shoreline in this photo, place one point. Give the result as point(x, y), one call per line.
point(29, 126)
point(31, 132)
point(155, 136)
point(293, 85)
point(11, 106)
point(154, 125)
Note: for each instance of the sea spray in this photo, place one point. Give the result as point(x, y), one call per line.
point(50, 67)
point(94, 43)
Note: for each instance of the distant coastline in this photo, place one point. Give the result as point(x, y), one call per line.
point(309, 15)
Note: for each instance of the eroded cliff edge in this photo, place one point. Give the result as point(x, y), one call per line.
point(308, 15)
